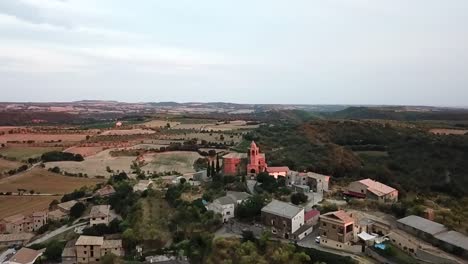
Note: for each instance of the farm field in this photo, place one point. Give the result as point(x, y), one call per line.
point(45, 182)
point(152, 224)
point(95, 165)
point(180, 161)
point(6, 165)
point(42, 137)
point(125, 132)
point(444, 131)
point(84, 151)
point(24, 153)
point(160, 123)
point(11, 205)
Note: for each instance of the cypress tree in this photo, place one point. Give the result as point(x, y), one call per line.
point(217, 163)
point(213, 170)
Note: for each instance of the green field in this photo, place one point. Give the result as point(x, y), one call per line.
point(152, 219)
point(24, 153)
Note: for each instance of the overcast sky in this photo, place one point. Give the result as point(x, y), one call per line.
point(248, 51)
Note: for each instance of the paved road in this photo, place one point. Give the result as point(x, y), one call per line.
point(251, 185)
point(54, 233)
point(4, 255)
point(309, 242)
point(314, 199)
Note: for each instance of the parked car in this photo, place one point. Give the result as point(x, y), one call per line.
point(317, 240)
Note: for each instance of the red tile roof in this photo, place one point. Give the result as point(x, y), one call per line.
point(311, 214)
point(376, 187)
point(277, 169)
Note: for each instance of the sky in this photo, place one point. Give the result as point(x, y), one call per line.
point(258, 51)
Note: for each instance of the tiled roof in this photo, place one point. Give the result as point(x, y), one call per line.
point(422, 224)
point(106, 190)
point(15, 237)
point(277, 169)
point(454, 238)
point(238, 195)
point(89, 241)
point(25, 256)
point(376, 187)
point(283, 209)
point(39, 214)
point(112, 243)
point(14, 218)
point(100, 211)
point(225, 200)
point(235, 155)
point(67, 205)
point(340, 215)
point(310, 214)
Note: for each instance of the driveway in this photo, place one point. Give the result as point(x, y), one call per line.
point(309, 242)
point(6, 254)
point(314, 199)
point(251, 186)
point(54, 233)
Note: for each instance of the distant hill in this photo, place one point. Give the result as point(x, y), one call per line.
point(400, 113)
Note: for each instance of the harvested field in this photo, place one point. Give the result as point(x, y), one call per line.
point(46, 182)
point(11, 205)
point(24, 153)
point(84, 151)
point(192, 126)
point(443, 131)
point(180, 161)
point(233, 125)
point(6, 165)
point(95, 165)
point(126, 132)
point(40, 138)
point(160, 123)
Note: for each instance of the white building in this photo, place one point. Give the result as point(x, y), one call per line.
point(226, 205)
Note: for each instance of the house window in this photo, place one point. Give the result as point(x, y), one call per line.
point(102, 218)
point(324, 224)
point(228, 213)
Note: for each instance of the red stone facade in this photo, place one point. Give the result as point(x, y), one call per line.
point(255, 162)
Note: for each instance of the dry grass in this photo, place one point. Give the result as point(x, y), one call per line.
point(11, 205)
point(6, 165)
point(24, 153)
point(44, 181)
point(180, 161)
point(443, 131)
point(95, 165)
point(126, 132)
point(42, 137)
point(160, 123)
point(84, 151)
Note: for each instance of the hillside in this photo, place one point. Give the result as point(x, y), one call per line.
point(410, 159)
point(400, 113)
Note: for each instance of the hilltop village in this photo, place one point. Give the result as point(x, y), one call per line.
point(156, 209)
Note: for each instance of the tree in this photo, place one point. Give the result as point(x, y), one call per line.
point(54, 250)
point(77, 210)
point(110, 259)
point(213, 169)
point(298, 198)
point(218, 168)
point(53, 204)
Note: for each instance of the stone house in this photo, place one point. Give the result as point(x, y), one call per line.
point(336, 229)
point(284, 219)
point(90, 249)
point(100, 214)
point(373, 190)
point(225, 206)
